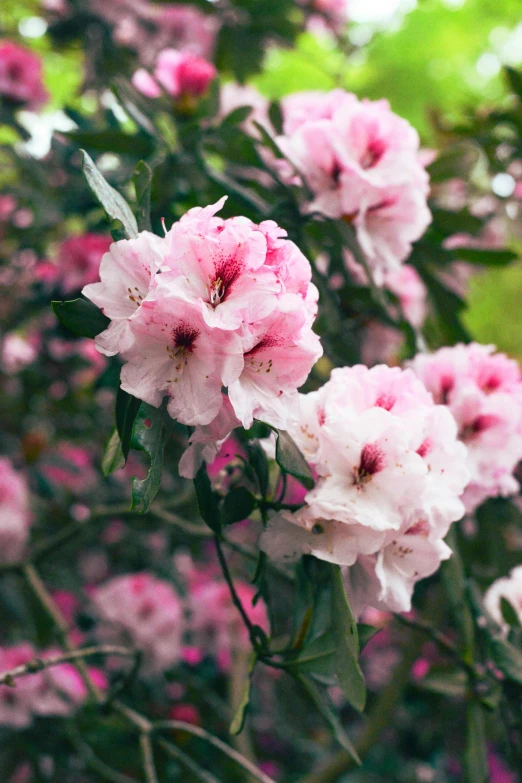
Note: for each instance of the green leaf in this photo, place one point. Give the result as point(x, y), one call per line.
point(113, 458)
point(276, 116)
point(127, 408)
point(365, 633)
point(507, 658)
point(509, 613)
point(113, 141)
point(475, 757)
point(446, 682)
point(237, 116)
point(207, 500)
point(112, 202)
point(150, 433)
point(81, 317)
point(238, 721)
point(347, 644)
point(136, 106)
point(317, 657)
point(514, 78)
point(142, 180)
point(258, 461)
point(239, 504)
point(290, 459)
point(325, 708)
point(267, 140)
point(486, 257)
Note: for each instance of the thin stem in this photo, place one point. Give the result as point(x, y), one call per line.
point(197, 731)
point(97, 764)
point(45, 600)
point(199, 773)
point(39, 664)
point(148, 758)
point(235, 598)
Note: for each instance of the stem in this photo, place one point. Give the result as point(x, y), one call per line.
point(197, 731)
point(201, 774)
point(235, 598)
point(93, 761)
point(39, 664)
point(148, 758)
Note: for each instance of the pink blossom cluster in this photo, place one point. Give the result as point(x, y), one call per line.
point(15, 514)
point(390, 472)
point(215, 303)
point(143, 612)
point(77, 263)
point(508, 587)
point(483, 391)
point(178, 73)
point(56, 691)
point(361, 163)
point(17, 351)
point(215, 625)
point(21, 76)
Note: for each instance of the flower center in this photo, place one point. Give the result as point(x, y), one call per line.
point(477, 426)
point(372, 461)
point(227, 271)
point(185, 337)
point(135, 296)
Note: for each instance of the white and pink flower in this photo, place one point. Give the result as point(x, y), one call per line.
point(390, 474)
point(510, 588)
point(483, 391)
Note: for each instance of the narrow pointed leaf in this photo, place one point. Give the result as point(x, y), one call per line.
point(238, 721)
point(290, 459)
point(81, 317)
point(142, 183)
point(347, 652)
point(150, 433)
point(113, 458)
point(115, 206)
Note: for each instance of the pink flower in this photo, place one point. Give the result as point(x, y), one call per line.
point(498, 771)
point(55, 691)
point(77, 263)
point(70, 467)
point(508, 587)
point(17, 353)
point(411, 292)
point(185, 26)
point(143, 611)
point(21, 76)
point(232, 306)
point(207, 441)
point(390, 472)
point(178, 73)
point(483, 391)
point(15, 514)
point(126, 272)
point(216, 625)
point(361, 162)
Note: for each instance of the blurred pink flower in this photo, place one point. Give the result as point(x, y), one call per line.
point(21, 76)
point(15, 514)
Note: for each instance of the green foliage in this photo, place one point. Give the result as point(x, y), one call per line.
point(290, 459)
point(115, 206)
point(150, 432)
point(81, 317)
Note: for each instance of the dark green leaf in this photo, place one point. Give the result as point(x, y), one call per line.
point(113, 458)
point(238, 721)
point(290, 459)
point(446, 682)
point(207, 500)
point(276, 117)
point(239, 504)
point(113, 141)
point(136, 106)
point(514, 80)
point(267, 140)
point(317, 657)
point(150, 433)
point(507, 658)
point(258, 461)
point(347, 644)
point(325, 708)
point(365, 633)
point(237, 116)
point(127, 408)
point(112, 202)
point(487, 257)
point(142, 183)
point(81, 317)
point(509, 613)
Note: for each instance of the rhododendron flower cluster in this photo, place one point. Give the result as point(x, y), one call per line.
point(390, 472)
point(15, 514)
point(214, 303)
point(178, 73)
point(56, 691)
point(483, 391)
point(508, 587)
point(21, 76)
point(144, 612)
point(361, 163)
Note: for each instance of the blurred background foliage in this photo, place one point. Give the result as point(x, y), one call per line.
point(434, 60)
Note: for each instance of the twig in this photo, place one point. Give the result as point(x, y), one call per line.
point(201, 774)
point(197, 731)
point(235, 598)
point(95, 762)
point(148, 758)
point(39, 664)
